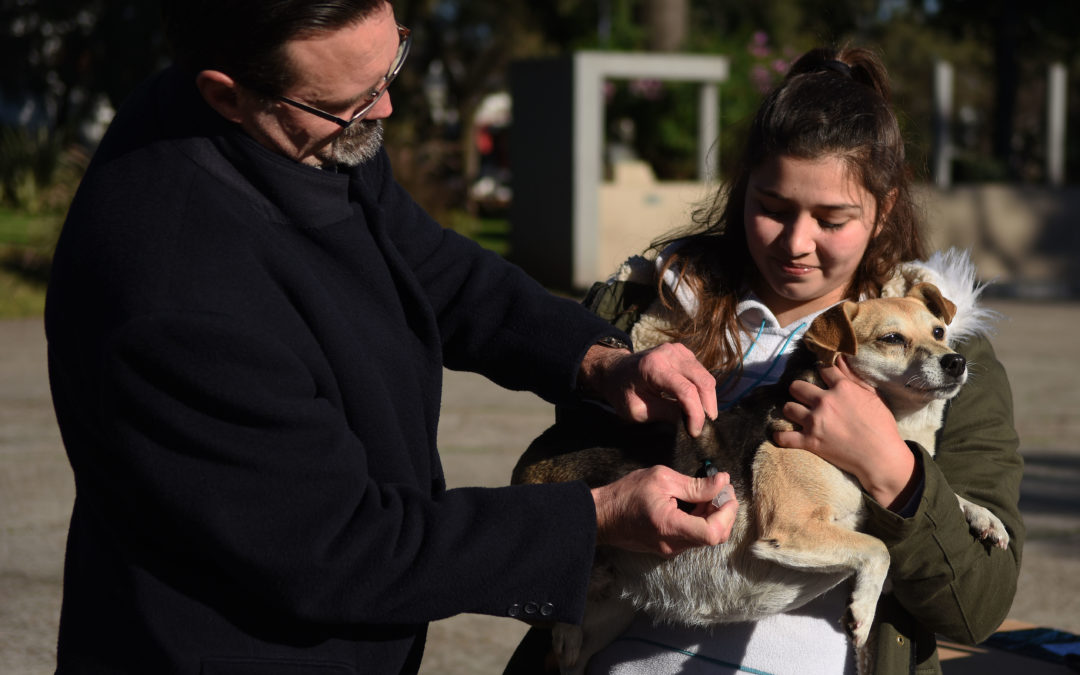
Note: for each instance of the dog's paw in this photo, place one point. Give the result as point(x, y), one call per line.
point(566, 642)
point(984, 524)
point(859, 617)
point(857, 626)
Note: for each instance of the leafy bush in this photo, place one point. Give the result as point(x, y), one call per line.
point(40, 169)
point(38, 178)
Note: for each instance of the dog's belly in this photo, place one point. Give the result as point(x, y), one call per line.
point(716, 584)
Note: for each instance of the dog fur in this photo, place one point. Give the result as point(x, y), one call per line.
point(796, 532)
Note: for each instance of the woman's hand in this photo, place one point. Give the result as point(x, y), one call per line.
point(849, 426)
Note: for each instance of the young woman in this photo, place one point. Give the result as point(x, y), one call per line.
point(820, 211)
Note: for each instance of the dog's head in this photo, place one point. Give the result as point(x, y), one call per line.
point(896, 344)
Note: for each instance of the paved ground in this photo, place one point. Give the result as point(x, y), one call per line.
point(483, 430)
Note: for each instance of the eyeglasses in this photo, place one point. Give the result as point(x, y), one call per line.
point(405, 40)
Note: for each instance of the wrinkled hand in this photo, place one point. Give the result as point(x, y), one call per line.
point(849, 426)
point(663, 383)
point(640, 512)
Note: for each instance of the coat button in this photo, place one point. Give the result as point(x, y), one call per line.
point(531, 608)
point(515, 610)
point(900, 640)
point(547, 609)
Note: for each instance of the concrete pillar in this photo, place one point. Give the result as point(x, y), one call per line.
point(943, 108)
point(708, 131)
point(1056, 106)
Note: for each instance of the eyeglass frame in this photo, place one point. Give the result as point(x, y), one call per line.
point(405, 37)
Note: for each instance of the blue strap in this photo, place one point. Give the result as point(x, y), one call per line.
point(772, 366)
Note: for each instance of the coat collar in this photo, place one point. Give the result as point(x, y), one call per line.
point(303, 195)
point(307, 196)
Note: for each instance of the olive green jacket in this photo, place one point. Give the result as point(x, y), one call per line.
point(944, 580)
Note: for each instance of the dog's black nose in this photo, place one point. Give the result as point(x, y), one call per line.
point(953, 364)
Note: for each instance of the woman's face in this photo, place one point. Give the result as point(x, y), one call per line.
point(808, 224)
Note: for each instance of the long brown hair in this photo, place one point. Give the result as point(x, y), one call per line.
point(833, 102)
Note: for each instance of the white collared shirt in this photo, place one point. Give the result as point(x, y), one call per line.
point(766, 345)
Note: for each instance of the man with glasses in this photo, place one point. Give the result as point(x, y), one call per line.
point(248, 321)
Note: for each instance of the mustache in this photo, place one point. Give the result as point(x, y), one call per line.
point(361, 129)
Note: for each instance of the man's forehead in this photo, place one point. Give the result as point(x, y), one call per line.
point(355, 53)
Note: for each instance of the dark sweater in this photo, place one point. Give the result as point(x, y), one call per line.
point(246, 357)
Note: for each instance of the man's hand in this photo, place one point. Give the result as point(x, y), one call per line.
point(666, 382)
point(640, 512)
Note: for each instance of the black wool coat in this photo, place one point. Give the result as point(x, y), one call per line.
point(246, 357)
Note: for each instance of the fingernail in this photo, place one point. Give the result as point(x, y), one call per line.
point(725, 495)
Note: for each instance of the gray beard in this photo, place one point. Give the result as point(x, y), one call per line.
point(355, 145)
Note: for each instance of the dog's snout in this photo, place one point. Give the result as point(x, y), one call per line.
point(953, 364)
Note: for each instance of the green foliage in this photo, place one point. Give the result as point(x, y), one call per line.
point(38, 178)
point(26, 244)
point(34, 161)
point(491, 233)
point(20, 297)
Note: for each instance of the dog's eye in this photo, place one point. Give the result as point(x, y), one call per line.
point(939, 333)
point(892, 339)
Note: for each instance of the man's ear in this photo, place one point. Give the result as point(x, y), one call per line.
point(221, 93)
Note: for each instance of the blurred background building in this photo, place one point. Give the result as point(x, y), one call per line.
point(986, 91)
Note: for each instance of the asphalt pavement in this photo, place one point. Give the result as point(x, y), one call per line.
point(482, 432)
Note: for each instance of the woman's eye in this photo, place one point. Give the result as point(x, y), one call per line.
point(826, 225)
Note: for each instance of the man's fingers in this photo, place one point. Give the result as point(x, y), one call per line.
point(638, 512)
point(704, 385)
point(699, 490)
point(708, 525)
point(674, 373)
point(646, 408)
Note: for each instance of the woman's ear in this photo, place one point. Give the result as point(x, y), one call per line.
point(221, 93)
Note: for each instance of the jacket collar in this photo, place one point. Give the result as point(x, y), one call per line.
point(307, 196)
point(304, 195)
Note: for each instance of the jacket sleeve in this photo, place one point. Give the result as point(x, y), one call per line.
point(950, 581)
point(493, 318)
point(223, 459)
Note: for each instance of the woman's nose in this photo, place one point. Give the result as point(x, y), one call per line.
point(798, 236)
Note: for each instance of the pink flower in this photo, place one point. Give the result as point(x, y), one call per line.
point(761, 78)
point(647, 89)
point(759, 45)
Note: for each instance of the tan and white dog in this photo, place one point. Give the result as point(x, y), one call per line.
point(797, 534)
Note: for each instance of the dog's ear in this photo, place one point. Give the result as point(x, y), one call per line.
point(938, 304)
point(832, 334)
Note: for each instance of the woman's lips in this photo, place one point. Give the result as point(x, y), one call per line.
point(793, 268)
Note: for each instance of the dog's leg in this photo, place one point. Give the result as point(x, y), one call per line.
point(825, 548)
point(604, 621)
point(866, 656)
point(984, 523)
point(807, 511)
point(566, 641)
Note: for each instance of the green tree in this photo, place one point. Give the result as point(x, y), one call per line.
point(1015, 42)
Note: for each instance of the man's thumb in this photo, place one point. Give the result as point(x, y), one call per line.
point(700, 490)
